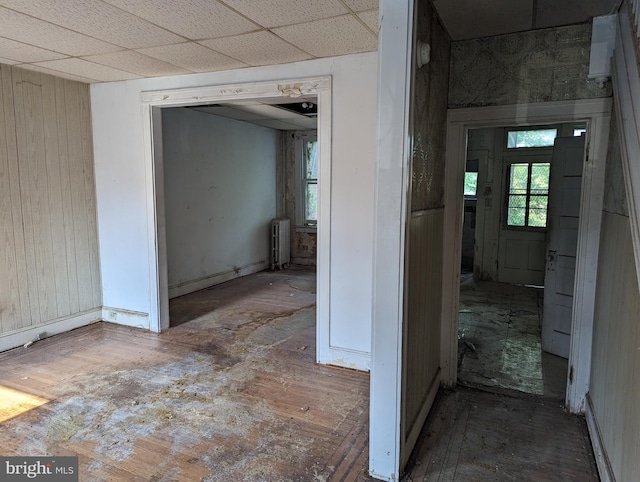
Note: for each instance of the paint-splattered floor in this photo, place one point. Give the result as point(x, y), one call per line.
point(499, 341)
point(230, 393)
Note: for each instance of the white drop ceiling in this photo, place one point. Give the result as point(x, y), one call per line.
point(109, 40)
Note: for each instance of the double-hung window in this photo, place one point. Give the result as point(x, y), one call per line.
point(308, 162)
point(310, 180)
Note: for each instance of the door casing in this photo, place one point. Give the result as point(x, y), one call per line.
point(596, 113)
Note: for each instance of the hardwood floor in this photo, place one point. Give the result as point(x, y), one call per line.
point(479, 436)
point(229, 393)
point(232, 393)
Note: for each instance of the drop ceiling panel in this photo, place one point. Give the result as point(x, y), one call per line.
point(33, 31)
point(90, 70)
point(333, 36)
point(57, 73)
point(275, 13)
point(258, 48)
point(193, 57)
point(360, 5)
point(136, 63)
point(370, 18)
point(466, 19)
point(193, 19)
point(26, 53)
point(115, 26)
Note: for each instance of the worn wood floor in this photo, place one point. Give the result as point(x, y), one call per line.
point(472, 435)
point(231, 393)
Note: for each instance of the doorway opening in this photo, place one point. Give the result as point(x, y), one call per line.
point(521, 206)
point(218, 161)
point(595, 114)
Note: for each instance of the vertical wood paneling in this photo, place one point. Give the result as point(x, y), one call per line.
point(9, 298)
point(615, 373)
point(48, 227)
point(13, 186)
point(422, 336)
point(56, 214)
point(78, 197)
point(66, 187)
point(90, 197)
point(25, 172)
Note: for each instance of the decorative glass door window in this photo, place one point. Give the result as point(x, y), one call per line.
point(528, 195)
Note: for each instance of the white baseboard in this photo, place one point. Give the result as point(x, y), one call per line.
point(19, 337)
point(599, 450)
point(214, 279)
point(342, 357)
point(134, 319)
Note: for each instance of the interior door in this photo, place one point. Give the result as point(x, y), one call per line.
point(521, 248)
point(562, 241)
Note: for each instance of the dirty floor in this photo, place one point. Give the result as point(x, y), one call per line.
point(499, 341)
point(472, 435)
point(231, 392)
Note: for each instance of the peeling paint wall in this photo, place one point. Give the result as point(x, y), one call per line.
point(536, 66)
point(615, 365)
point(303, 239)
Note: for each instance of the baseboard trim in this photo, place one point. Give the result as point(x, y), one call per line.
point(134, 319)
point(345, 358)
point(19, 337)
point(214, 279)
point(599, 450)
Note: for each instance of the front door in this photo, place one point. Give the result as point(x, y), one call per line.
point(564, 211)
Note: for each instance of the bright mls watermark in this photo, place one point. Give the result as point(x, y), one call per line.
point(52, 469)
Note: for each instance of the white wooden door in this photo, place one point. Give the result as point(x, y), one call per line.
point(521, 249)
point(562, 231)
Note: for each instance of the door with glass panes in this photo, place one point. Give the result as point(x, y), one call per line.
point(521, 254)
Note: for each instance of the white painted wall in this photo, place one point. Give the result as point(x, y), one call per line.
point(220, 197)
point(122, 192)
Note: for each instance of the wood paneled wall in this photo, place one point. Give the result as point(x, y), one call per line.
point(615, 364)
point(49, 267)
point(421, 365)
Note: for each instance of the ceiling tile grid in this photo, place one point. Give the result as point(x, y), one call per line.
point(193, 19)
point(36, 32)
point(90, 70)
point(258, 48)
point(21, 52)
point(322, 38)
point(193, 57)
point(277, 13)
point(136, 63)
point(114, 26)
point(111, 40)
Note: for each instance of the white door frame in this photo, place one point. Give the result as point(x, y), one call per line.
point(152, 104)
point(596, 113)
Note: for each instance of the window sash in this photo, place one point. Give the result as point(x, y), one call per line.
point(525, 204)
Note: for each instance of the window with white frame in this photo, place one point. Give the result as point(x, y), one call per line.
point(308, 160)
